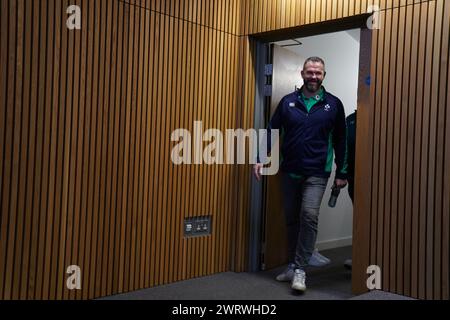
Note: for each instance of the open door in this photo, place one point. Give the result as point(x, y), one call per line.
point(286, 68)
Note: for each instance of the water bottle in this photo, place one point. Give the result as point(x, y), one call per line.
point(334, 195)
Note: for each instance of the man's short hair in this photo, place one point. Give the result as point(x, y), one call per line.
point(314, 59)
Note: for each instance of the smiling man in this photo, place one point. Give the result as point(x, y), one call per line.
point(313, 126)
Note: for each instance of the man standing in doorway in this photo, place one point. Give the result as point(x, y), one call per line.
point(312, 123)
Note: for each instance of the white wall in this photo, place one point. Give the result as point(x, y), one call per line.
point(340, 51)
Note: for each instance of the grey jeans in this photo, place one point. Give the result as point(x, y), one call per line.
point(301, 201)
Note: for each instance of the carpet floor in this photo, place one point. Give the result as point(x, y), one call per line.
point(332, 282)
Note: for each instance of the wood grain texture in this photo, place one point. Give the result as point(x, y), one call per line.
point(85, 123)
point(86, 120)
point(407, 210)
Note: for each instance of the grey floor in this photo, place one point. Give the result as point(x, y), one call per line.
point(332, 282)
point(380, 295)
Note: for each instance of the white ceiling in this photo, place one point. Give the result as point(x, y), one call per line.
point(315, 41)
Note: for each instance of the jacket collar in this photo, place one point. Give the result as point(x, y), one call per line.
point(317, 106)
point(323, 93)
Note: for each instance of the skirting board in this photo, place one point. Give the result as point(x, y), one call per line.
point(335, 243)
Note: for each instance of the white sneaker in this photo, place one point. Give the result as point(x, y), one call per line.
point(298, 283)
point(287, 275)
point(318, 260)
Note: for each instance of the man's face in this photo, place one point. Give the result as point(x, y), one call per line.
point(313, 75)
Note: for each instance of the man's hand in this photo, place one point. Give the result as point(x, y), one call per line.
point(257, 169)
point(340, 183)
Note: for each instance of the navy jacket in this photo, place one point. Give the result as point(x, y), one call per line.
point(308, 139)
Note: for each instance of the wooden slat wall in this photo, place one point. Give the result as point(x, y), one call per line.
point(86, 119)
point(405, 207)
point(269, 15)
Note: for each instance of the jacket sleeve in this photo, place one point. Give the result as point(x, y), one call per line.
point(340, 144)
point(274, 123)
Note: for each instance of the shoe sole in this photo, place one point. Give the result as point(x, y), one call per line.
point(299, 289)
point(283, 280)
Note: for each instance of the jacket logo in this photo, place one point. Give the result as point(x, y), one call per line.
point(292, 104)
point(327, 107)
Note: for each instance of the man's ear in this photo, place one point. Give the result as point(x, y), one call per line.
point(302, 74)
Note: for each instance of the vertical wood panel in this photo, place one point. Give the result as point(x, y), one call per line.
point(4, 50)
point(50, 109)
point(392, 172)
point(383, 168)
point(146, 157)
point(376, 239)
point(409, 149)
point(15, 222)
point(417, 91)
point(361, 255)
point(41, 190)
point(86, 176)
point(426, 166)
point(26, 141)
point(434, 194)
point(411, 48)
point(442, 216)
point(445, 212)
point(154, 147)
point(400, 156)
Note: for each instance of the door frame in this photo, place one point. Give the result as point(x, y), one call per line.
point(257, 206)
point(363, 163)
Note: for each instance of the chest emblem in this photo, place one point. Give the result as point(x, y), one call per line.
point(327, 107)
